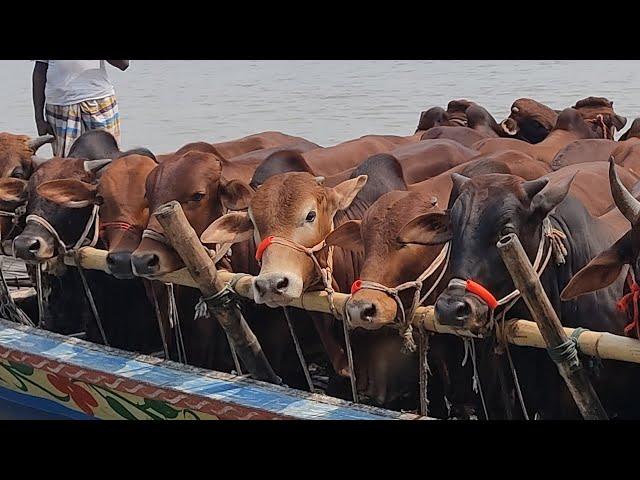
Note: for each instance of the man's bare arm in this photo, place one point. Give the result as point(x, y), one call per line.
point(121, 64)
point(39, 80)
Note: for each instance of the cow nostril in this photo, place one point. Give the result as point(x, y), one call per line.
point(34, 246)
point(110, 260)
point(259, 287)
point(282, 284)
point(154, 260)
point(463, 311)
point(368, 312)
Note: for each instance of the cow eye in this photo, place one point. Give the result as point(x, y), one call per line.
point(17, 173)
point(311, 216)
point(196, 197)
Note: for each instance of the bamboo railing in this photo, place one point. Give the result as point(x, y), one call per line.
point(518, 332)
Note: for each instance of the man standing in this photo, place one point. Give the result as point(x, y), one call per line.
point(79, 97)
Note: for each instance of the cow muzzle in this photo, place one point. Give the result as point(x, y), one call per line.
point(276, 289)
point(145, 264)
point(119, 265)
point(33, 248)
point(463, 311)
point(371, 310)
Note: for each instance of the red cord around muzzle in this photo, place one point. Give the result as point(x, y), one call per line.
point(483, 293)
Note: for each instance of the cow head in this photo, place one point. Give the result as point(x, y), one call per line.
point(433, 117)
point(606, 267)
point(16, 152)
point(598, 112)
point(37, 243)
point(483, 210)
point(124, 212)
point(295, 206)
point(457, 112)
point(571, 120)
point(386, 261)
point(196, 181)
point(529, 120)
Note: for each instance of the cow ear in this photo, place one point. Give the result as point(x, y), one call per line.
point(347, 236)
point(343, 194)
point(233, 227)
point(427, 229)
point(70, 193)
point(235, 194)
point(545, 197)
point(600, 272)
point(13, 190)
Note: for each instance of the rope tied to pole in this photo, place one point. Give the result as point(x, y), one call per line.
point(568, 351)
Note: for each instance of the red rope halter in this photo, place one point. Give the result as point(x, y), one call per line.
point(262, 247)
point(623, 306)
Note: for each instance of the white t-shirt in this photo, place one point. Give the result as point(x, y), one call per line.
point(74, 81)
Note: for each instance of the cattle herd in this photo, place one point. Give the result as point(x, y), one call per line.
point(394, 221)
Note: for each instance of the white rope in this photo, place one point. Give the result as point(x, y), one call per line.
point(94, 220)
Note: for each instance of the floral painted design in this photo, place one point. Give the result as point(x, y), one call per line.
point(94, 400)
point(79, 395)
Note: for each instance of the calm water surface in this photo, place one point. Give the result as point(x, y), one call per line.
point(165, 104)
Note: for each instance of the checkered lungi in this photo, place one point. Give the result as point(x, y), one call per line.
point(71, 121)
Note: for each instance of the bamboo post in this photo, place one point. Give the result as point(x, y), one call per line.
point(203, 271)
point(527, 282)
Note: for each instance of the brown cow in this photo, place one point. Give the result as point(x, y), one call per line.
point(124, 212)
point(338, 158)
point(298, 192)
point(16, 152)
point(570, 126)
point(234, 148)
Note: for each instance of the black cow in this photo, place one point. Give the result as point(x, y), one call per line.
point(484, 209)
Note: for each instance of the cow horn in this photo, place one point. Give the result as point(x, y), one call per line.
point(36, 161)
point(459, 180)
point(95, 165)
point(35, 143)
point(626, 203)
point(515, 109)
point(320, 180)
point(533, 187)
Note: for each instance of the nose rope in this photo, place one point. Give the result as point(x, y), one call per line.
point(406, 329)
point(605, 130)
point(94, 220)
point(470, 348)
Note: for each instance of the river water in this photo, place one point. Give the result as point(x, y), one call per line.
point(165, 104)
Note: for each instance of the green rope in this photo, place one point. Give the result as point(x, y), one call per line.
point(567, 351)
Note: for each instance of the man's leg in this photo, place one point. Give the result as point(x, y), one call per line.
point(66, 123)
point(101, 113)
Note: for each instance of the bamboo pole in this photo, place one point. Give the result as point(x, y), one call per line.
point(518, 332)
point(569, 366)
point(203, 271)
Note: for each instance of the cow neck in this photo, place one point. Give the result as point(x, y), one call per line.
point(94, 220)
point(406, 329)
